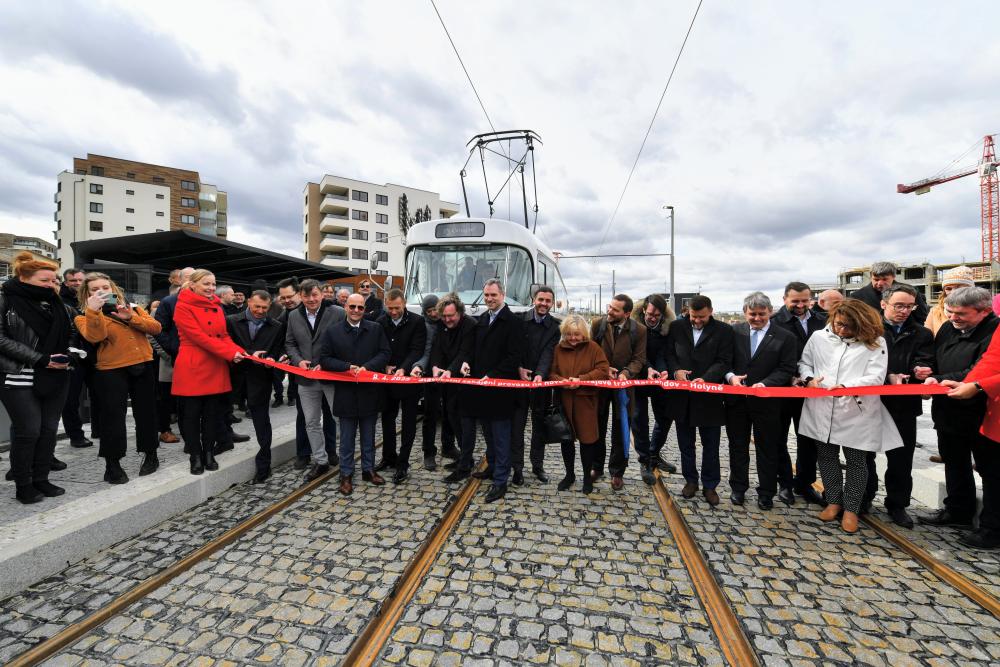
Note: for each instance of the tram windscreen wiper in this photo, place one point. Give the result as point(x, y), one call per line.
point(496, 275)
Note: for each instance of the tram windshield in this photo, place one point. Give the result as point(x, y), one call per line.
point(464, 269)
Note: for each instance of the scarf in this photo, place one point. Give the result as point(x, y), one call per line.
point(51, 324)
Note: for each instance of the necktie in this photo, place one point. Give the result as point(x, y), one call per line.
point(754, 341)
point(618, 331)
point(898, 327)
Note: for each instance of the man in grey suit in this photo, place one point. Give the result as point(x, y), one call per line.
point(306, 325)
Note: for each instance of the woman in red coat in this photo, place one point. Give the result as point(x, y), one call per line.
point(201, 371)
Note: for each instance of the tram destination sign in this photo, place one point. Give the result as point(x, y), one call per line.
point(453, 230)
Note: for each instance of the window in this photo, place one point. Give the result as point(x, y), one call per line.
point(129, 174)
point(382, 256)
point(59, 186)
point(381, 237)
point(358, 253)
point(188, 185)
point(96, 189)
point(129, 228)
point(382, 218)
point(359, 215)
point(187, 201)
point(97, 171)
point(159, 214)
point(381, 273)
point(130, 210)
point(59, 205)
point(96, 226)
point(359, 234)
point(382, 199)
point(187, 219)
point(130, 192)
point(306, 202)
point(81, 172)
point(96, 207)
point(358, 195)
point(157, 179)
point(159, 196)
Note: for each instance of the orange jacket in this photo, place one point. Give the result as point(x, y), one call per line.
point(987, 373)
point(118, 343)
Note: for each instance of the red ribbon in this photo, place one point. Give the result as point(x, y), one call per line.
point(669, 385)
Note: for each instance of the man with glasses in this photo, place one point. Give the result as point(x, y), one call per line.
point(373, 305)
point(911, 357)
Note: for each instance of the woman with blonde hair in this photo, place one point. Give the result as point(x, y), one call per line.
point(953, 279)
point(849, 352)
point(118, 330)
point(201, 372)
point(36, 331)
point(577, 358)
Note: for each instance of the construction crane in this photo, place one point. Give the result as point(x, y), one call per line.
point(989, 184)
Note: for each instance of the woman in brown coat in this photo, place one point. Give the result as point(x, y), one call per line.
point(577, 358)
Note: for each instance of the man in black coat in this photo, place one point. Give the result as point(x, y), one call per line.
point(496, 354)
point(452, 349)
point(911, 347)
point(81, 372)
point(763, 356)
point(355, 344)
point(407, 336)
point(883, 277)
point(261, 336)
point(700, 349)
point(541, 333)
point(796, 317)
point(958, 346)
point(657, 317)
point(373, 306)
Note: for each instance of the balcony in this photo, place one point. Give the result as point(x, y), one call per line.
point(328, 188)
point(335, 243)
point(332, 204)
point(333, 224)
point(336, 261)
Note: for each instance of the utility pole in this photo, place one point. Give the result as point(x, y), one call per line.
point(613, 287)
point(672, 255)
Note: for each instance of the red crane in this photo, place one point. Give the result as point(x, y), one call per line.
point(989, 185)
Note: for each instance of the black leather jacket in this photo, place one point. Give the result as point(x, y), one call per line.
point(18, 341)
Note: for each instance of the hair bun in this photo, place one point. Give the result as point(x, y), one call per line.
point(26, 265)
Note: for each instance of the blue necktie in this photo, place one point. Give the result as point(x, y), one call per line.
point(754, 341)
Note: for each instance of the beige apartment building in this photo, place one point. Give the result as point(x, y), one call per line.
point(109, 197)
point(924, 276)
point(348, 223)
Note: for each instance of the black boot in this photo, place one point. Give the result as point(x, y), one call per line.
point(28, 494)
point(113, 473)
point(209, 456)
point(197, 467)
point(587, 459)
point(568, 455)
point(48, 489)
point(150, 463)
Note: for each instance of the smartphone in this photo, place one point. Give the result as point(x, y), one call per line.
point(111, 299)
point(59, 358)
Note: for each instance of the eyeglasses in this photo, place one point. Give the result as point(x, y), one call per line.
point(365, 286)
point(355, 308)
point(903, 306)
point(839, 325)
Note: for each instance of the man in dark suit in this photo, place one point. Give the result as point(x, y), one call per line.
point(883, 277)
point(656, 316)
point(496, 354)
point(541, 333)
point(452, 348)
point(700, 349)
point(796, 317)
point(407, 336)
point(355, 344)
point(763, 356)
point(262, 336)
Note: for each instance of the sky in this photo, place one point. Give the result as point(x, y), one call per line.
point(779, 143)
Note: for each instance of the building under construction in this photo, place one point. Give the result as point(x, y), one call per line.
point(924, 276)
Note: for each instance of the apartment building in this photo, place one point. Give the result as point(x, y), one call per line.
point(109, 197)
point(924, 276)
point(13, 244)
point(347, 223)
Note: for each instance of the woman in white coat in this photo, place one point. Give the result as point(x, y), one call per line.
point(850, 352)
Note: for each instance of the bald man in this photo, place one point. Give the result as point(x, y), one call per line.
point(826, 300)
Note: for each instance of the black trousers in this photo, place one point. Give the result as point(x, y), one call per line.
point(407, 400)
point(117, 386)
point(166, 405)
point(959, 449)
point(261, 416)
point(200, 419)
point(645, 447)
point(72, 422)
point(743, 417)
point(533, 402)
point(434, 412)
point(899, 466)
point(277, 379)
point(805, 454)
point(34, 423)
point(607, 407)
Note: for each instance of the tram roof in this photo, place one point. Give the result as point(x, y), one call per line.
point(498, 230)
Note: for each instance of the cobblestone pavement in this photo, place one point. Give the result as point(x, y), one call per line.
point(808, 593)
point(553, 577)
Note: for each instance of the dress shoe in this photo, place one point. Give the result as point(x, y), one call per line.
point(850, 522)
point(114, 474)
point(765, 503)
point(430, 463)
point(373, 477)
point(301, 462)
point(150, 463)
point(812, 496)
point(210, 462)
point(566, 482)
point(451, 465)
point(27, 494)
point(81, 443)
point(496, 492)
point(277, 402)
point(712, 497)
point(450, 452)
point(57, 464)
point(48, 489)
point(456, 476)
point(233, 419)
point(400, 476)
point(483, 474)
point(830, 513)
point(984, 538)
point(900, 517)
point(786, 496)
point(10, 475)
point(540, 475)
point(689, 490)
point(737, 497)
point(261, 476)
point(617, 482)
point(346, 486)
point(517, 479)
point(239, 437)
point(647, 475)
point(946, 518)
point(663, 465)
point(169, 438)
point(222, 448)
point(385, 463)
point(315, 471)
point(934, 458)
point(197, 467)
point(333, 460)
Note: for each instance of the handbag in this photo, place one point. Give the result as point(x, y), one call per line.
point(555, 428)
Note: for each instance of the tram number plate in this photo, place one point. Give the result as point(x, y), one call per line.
point(451, 230)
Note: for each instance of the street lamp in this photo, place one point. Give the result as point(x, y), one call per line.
point(670, 209)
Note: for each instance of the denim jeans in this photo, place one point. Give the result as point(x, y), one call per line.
point(710, 437)
point(349, 426)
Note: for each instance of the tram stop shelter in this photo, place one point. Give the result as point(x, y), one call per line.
point(141, 264)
